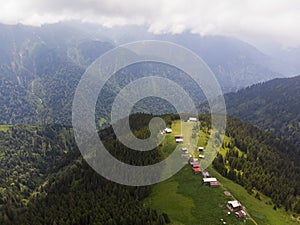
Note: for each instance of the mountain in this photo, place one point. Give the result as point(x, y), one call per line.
point(289, 56)
point(273, 106)
point(235, 63)
point(286, 57)
point(41, 67)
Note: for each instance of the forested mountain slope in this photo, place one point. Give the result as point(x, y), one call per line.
point(27, 155)
point(40, 68)
point(45, 181)
point(273, 106)
point(43, 66)
point(261, 162)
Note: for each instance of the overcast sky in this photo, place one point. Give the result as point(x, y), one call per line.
point(276, 20)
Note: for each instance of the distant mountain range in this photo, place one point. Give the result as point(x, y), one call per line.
point(236, 63)
point(41, 66)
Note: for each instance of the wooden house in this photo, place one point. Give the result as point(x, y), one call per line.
point(234, 205)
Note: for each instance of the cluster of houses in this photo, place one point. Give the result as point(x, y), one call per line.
point(207, 179)
point(195, 164)
point(178, 138)
point(201, 149)
point(236, 207)
point(211, 181)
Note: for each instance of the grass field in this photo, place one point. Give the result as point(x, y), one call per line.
point(187, 201)
point(258, 209)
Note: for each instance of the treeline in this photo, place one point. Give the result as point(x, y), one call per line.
point(261, 162)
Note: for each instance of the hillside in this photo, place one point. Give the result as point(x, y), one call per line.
point(58, 176)
point(44, 180)
point(262, 162)
point(40, 68)
point(273, 106)
point(27, 155)
point(77, 195)
point(267, 171)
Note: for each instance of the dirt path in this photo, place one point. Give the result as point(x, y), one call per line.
point(250, 217)
point(248, 214)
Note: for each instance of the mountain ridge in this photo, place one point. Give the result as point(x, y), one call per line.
point(273, 105)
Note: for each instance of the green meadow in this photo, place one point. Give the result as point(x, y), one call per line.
point(187, 200)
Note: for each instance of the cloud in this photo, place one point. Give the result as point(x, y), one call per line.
point(278, 20)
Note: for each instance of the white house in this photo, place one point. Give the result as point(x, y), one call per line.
point(200, 148)
point(209, 179)
point(234, 205)
point(179, 140)
point(193, 119)
point(201, 156)
point(168, 130)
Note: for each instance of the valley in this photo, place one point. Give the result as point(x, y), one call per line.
point(46, 181)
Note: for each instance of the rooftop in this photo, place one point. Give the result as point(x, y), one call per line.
point(210, 179)
point(234, 203)
point(241, 214)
